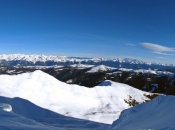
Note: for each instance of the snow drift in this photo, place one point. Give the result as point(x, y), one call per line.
point(6, 107)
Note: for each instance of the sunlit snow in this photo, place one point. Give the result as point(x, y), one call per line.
point(158, 114)
point(101, 103)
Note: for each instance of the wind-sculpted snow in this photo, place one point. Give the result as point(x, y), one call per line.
point(158, 114)
point(6, 107)
point(101, 103)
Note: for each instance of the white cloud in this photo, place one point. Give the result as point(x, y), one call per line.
point(131, 44)
point(162, 53)
point(158, 49)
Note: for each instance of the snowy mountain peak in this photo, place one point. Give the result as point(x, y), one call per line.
point(100, 68)
point(27, 60)
point(34, 57)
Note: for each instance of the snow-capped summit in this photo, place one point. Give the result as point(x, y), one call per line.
point(45, 60)
point(32, 58)
point(100, 68)
point(100, 104)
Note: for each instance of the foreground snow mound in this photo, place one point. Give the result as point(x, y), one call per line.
point(158, 114)
point(101, 104)
point(5, 107)
point(30, 116)
point(100, 68)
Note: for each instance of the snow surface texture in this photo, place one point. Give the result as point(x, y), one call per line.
point(100, 68)
point(101, 103)
point(158, 114)
point(27, 116)
point(6, 107)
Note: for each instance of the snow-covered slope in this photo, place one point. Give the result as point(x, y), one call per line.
point(13, 121)
point(158, 114)
point(100, 68)
point(101, 103)
point(27, 116)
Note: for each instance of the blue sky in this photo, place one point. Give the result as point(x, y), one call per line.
point(142, 29)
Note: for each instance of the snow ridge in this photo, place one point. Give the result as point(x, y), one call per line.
point(100, 68)
point(101, 103)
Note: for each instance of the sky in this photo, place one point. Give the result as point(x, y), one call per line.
point(140, 29)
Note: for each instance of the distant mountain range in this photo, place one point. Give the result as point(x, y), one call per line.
point(43, 60)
